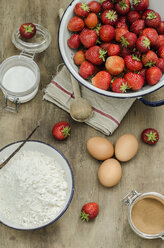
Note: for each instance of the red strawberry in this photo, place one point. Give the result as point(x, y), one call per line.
point(133, 63)
point(88, 37)
point(89, 211)
point(125, 52)
point(119, 85)
point(143, 44)
point(123, 7)
point(81, 9)
point(79, 57)
point(161, 51)
point(75, 24)
point(160, 64)
point(107, 33)
point(86, 70)
point(128, 39)
point(61, 130)
point(149, 59)
point(94, 6)
point(123, 19)
point(151, 34)
point(160, 41)
point(102, 80)
point(91, 20)
point(119, 33)
point(134, 81)
point(137, 26)
point(150, 136)
point(27, 30)
point(105, 45)
point(153, 75)
point(152, 18)
point(114, 65)
point(143, 74)
point(113, 50)
point(107, 5)
point(74, 41)
point(140, 5)
point(96, 55)
point(160, 28)
point(109, 17)
point(133, 16)
point(121, 25)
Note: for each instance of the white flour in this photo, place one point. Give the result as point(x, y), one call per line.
point(33, 189)
point(18, 79)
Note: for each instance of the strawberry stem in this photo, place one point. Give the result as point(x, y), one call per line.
point(146, 42)
point(111, 15)
point(135, 2)
point(97, 28)
point(66, 131)
point(28, 29)
point(150, 63)
point(123, 5)
point(135, 57)
point(124, 41)
point(151, 16)
point(85, 7)
point(102, 53)
point(124, 87)
point(84, 216)
point(151, 136)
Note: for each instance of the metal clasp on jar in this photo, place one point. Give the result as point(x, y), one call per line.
point(130, 197)
point(10, 108)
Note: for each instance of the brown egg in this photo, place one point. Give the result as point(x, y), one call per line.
point(110, 172)
point(126, 147)
point(100, 148)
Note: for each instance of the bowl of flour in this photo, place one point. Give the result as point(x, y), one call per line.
point(36, 186)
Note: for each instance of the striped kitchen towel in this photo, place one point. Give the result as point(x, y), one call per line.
point(107, 112)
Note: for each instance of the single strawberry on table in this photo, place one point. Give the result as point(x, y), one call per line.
point(119, 85)
point(150, 136)
point(89, 211)
point(134, 81)
point(96, 55)
point(86, 70)
point(81, 9)
point(102, 80)
point(153, 75)
point(61, 130)
point(88, 37)
point(27, 30)
point(133, 63)
point(140, 5)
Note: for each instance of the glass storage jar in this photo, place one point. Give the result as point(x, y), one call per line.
point(19, 74)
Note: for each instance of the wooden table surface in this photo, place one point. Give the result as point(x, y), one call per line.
point(144, 173)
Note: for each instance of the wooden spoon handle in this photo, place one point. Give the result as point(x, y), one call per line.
point(76, 88)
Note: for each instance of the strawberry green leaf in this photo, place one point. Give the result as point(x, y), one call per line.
point(28, 29)
point(85, 7)
point(102, 53)
point(135, 57)
point(84, 216)
point(97, 28)
point(123, 5)
point(135, 2)
point(146, 42)
point(124, 41)
point(124, 87)
point(150, 63)
point(151, 136)
point(111, 15)
point(66, 131)
point(151, 16)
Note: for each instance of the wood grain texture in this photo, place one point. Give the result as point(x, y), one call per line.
point(143, 173)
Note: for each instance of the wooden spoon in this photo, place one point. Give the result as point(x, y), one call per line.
point(80, 108)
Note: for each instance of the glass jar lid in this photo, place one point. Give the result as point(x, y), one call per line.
point(37, 44)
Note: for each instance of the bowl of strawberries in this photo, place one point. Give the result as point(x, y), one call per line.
point(115, 47)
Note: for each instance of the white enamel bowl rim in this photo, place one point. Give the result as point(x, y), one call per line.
point(70, 196)
point(67, 60)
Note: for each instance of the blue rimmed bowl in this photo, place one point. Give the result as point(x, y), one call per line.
point(50, 151)
point(67, 55)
